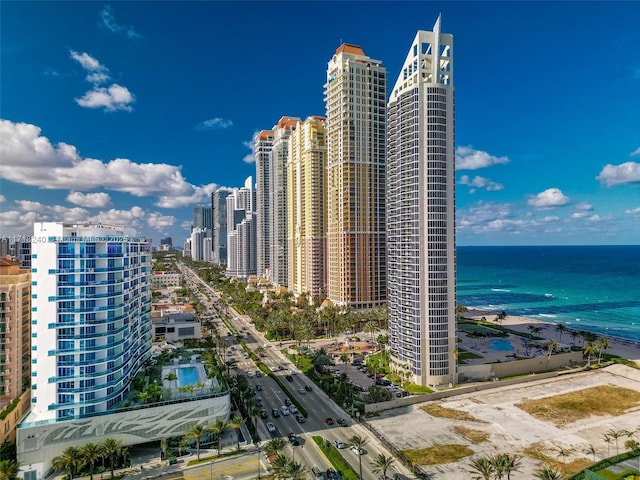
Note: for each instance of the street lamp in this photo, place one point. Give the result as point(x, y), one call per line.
point(258, 464)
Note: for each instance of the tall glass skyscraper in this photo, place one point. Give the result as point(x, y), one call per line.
point(421, 212)
point(91, 317)
point(355, 99)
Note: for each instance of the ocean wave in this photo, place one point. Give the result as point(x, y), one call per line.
point(548, 315)
point(500, 290)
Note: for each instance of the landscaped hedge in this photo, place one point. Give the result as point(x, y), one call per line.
point(606, 463)
point(336, 459)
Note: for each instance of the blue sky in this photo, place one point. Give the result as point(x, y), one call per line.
point(133, 112)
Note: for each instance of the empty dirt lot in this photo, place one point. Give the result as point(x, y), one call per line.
point(511, 430)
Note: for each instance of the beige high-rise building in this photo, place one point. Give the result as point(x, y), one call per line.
point(15, 329)
point(355, 98)
point(307, 184)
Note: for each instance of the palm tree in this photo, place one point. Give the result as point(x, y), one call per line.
point(109, 448)
point(607, 439)
point(505, 463)
point(483, 468)
point(574, 335)
point(218, 427)
point(551, 347)
point(603, 344)
point(236, 423)
point(171, 377)
point(371, 327)
point(548, 474)
point(561, 328)
point(359, 442)
point(9, 470)
point(197, 432)
point(564, 453)
point(382, 464)
point(90, 452)
point(68, 461)
point(615, 435)
point(279, 465)
point(590, 349)
point(295, 471)
point(591, 450)
point(274, 446)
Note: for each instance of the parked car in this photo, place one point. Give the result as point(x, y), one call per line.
point(271, 427)
point(340, 444)
point(328, 421)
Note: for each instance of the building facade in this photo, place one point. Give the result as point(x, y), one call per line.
point(262, 144)
point(91, 325)
point(241, 231)
point(421, 213)
point(15, 331)
point(202, 217)
point(307, 181)
point(279, 259)
point(355, 98)
point(219, 226)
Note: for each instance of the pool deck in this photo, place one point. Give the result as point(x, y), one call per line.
point(173, 384)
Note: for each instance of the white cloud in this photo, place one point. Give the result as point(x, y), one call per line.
point(550, 198)
point(469, 159)
point(114, 98)
point(579, 215)
point(158, 222)
point(635, 152)
point(2, 198)
point(109, 21)
point(30, 159)
point(584, 206)
point(92, 200)
point(214, 124)
point(480, 182)
point(635, 211)
point(628, 172)
point(89, 63)
point(51, 72)
point(249, 158)
point(131, 217)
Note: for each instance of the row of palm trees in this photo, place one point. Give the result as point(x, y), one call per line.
point(74, 459)
point(497, 466)
point(199, 432)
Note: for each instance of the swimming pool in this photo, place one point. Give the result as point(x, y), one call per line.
point(187, 376)
point(500, 345)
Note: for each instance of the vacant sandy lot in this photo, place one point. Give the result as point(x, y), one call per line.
point(511, 429)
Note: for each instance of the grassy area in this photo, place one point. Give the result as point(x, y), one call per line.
point(436, 410)
point(474, 436)
point(464, 355)
point(573, 406)
point(438, 454)
point(414, 389)
point(543, 453)
point(336, 459)
point(476, 329)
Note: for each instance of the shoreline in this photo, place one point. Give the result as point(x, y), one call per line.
point(618, 346)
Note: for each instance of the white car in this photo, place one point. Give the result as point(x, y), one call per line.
point(292, 372)
point(293, 409)
point(357, 451)
point(340, 444)
point(271, 427)
point(284, 409)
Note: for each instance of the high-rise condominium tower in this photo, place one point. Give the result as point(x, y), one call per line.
point(219, 225)
point(262, 144)
point(91, 319)
point(355, 98)
point(278, 213)
point(307, 184)
point(421, 212)
point(241, 231)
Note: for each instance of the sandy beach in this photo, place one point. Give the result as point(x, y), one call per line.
point(622, 348)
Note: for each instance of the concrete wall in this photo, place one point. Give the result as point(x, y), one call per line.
point(38, 443)
point(505, 369)
point(8, 425)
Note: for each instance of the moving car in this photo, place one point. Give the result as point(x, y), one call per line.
point(263, 414)
point(300, 418)
point(342, 422)
point(308, 388)
point(275, 412)
point(258, 387)
point(285, 410)
point(271, 427)
point(358, 450)
point(328, 421)
point(289, 378)
point(302, 391)
point(293, 409)
point(340, 444)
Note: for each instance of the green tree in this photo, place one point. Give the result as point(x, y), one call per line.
point(482, 468)
point(615, 435)
point(382, 464)
point(218, 427)
point(9, 470)
point(603, 346)
point(279, 465)
point(236, 423)
point(274, 446)
point(359, 442)
point(197, 432)
point(295, 471)
point(505, 463)
point(552, 346)
point(110, 448)
point(590, 349)
point(90, 452)
point(561, 328)
point(68, 461)
point(548, 474)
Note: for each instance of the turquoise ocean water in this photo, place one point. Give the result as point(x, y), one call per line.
point(595, 288)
